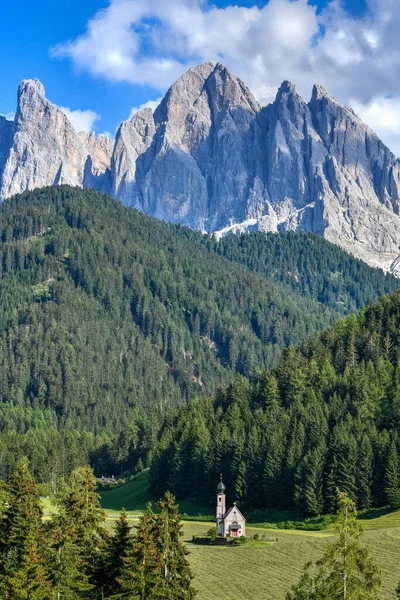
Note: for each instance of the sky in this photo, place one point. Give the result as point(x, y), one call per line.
point(100, 60)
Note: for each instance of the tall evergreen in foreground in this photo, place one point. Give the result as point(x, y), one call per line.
point(77, 536)
point(176, 583)
point(140, 574)
point(23, 560)
point(155, 566)
point(112, 562)
point(346, 570)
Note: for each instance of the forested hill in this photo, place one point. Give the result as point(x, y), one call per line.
point(327, 417)
point(108, 318)
point(310, 265)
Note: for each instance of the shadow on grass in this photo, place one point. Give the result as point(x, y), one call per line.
point(374, 513)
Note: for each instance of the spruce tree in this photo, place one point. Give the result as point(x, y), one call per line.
point(392, 477)
point(140, 573)
point(30, 581)
point(346, 570)
point(78, 538)
point(176, 575)
point(23, 574)
point(112, 563)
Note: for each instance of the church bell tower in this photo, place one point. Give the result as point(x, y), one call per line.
point(221, 509)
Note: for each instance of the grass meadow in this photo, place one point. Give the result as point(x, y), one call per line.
point(262, 571)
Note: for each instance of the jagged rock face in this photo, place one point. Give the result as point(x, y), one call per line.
point(210, 157)
point(98, 149)
point(42, 148)
point(45, 149)
point(190, 162)
point(132, 156)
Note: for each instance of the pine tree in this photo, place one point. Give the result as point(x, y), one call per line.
point(112, 563)
point(22, 556)
point(30, 581)
point(176, 575)
point(141, 574)
point(364, 473)
point(78, 538)
point(346, 571)
point(308, 489)
point(392, 477)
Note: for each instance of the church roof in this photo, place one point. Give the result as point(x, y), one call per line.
point(239, 514)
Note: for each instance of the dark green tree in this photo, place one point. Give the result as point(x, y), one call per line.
point(141, 572)
point(112, 563)
point(392, 477)
point(77, 534)
point(23, 569)
point(176, 581)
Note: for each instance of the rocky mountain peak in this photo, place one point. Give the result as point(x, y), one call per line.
point(319, 92)
point(211, 158)
point(31, 86)
point(286, 87)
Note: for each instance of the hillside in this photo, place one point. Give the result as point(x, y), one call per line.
point(327, 417)
point(109, 319)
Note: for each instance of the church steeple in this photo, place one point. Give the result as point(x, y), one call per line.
point(221, 509)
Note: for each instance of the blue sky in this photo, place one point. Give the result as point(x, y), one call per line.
point(79, 78)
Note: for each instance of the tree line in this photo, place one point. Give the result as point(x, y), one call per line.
point(326, 417)
point(72, 556)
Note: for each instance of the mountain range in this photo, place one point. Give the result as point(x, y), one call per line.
point(212, 158)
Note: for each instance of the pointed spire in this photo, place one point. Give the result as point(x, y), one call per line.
point(32, 86)
point(319, 92)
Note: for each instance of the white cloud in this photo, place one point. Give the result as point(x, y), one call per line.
point(383, 116)
point(149, 104)
point(152, 42)
point(9, 116)
point(81, 120)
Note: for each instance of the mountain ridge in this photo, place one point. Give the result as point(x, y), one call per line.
point(212, 158)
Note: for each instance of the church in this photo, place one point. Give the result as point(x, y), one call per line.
point(231, 522)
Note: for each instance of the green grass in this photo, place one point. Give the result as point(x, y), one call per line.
point(267, 571)
point(133, 495)
point(380, 518)
point(262, 571)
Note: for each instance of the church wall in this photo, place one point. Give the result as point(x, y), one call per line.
point(233, 516)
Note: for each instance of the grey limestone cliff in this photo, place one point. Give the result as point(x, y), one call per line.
point(210, 157)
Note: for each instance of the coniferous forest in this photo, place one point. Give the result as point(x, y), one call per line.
point(111, 320)
point(326, 418)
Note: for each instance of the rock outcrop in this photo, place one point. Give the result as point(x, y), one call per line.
point(210, 157)
point(45, 148)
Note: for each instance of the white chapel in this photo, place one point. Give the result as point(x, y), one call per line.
point(230, 522)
